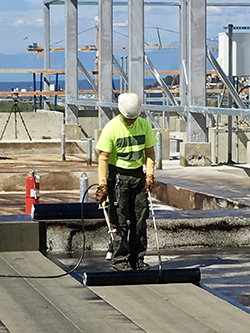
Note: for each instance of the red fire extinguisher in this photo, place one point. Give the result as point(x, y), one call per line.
point(32, 190)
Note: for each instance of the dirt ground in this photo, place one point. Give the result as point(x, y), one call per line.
point(24, 163)
point(13, 202)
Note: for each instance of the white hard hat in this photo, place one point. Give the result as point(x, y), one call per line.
point(129, 105)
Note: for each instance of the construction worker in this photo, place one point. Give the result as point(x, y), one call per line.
point(127, 142)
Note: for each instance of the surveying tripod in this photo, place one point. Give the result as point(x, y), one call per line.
point(16, 110)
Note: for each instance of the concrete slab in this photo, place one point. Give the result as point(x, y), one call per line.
point(19, 233)
point(175, 308)
point(188, 188)
point(19, 236)
point(51, 305)
point(64, 305)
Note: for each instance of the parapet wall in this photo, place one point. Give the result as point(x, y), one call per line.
point(41, 147)
point(219, 145)
point(38, 125)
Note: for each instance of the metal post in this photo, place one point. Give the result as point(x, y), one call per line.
point(89, 151)
point(217, 141)
point(41, 88)
point(34, 83)
point(158, 150)
point(126, 71)
point(183, 51)
point(56, 88)
point(237, 141)
point(63, 144)
point(84, 187)
point(249, 92)
point(46, 52)
point(230, 76)
point(121, 79)
point(164, 119)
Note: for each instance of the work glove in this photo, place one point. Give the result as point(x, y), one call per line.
point(149, 184)
point(101, 193)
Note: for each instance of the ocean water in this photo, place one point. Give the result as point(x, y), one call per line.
point(82, 85)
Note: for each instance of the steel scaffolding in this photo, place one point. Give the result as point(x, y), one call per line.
point(193, 55)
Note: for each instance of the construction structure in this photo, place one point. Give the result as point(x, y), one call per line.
point(194, 52)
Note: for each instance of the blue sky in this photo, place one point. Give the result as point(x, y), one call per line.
point(21, 23)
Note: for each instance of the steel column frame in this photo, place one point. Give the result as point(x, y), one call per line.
point(105, 59)
point(196, 125)
point(176, 109)
point(197, 51)
point(230, 100)
point(46, 15)
point(183, 53)
point(177, 3)
point(71, 70)
point(136, 47)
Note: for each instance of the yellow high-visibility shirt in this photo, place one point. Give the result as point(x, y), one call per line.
point(126, 144)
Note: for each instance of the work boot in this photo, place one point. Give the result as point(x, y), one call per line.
point(142, 266)
point(133, 263)
point(110, 251)
point(122, 266)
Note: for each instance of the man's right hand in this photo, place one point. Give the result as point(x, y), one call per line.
point(149, 184)
point(101, 193)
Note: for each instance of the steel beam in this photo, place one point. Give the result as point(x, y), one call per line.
point(136, 47)
point(88, 77)
point(105, 59)
point(115, 3)
point(71, 70)
point(151, 4)
point(54, 2)
point(197, 51)
point(183, 53)
point(120, 70)
point(196, 125)
point(232, 91)
point(228, 4)
point(168, 108)
point(160, 81)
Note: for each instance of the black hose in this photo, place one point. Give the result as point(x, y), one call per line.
point(71, 270)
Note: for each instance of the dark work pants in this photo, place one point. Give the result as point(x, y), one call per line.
point(128, 213)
